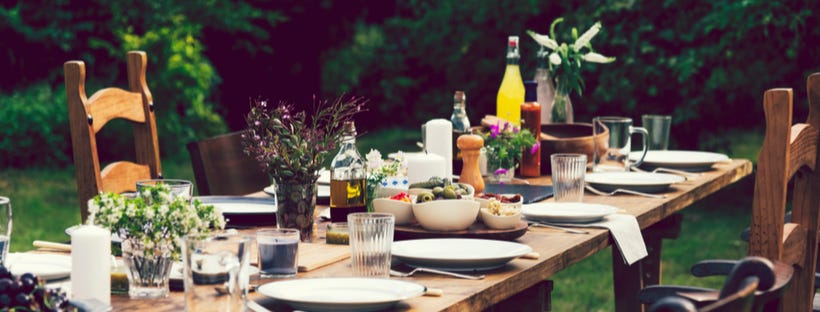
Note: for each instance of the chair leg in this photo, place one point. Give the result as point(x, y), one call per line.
point(647, 271)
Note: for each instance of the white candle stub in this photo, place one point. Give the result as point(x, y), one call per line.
point(439, 136)
point(91, 263)
point(421, 167)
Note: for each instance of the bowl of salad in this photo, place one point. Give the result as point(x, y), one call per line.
point(400, 205)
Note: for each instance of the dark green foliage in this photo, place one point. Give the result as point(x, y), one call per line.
point(705, 62)
point(34, 127)
point(39, 36)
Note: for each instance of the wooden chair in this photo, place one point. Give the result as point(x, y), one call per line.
point(221, 167)
point(737, 294)
point(789, 153)
point(87, 116)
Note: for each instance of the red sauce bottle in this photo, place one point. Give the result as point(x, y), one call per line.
point(531, 116)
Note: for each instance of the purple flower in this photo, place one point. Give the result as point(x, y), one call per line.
point(500, 171)
point(494, 131)
point(515, 129)
point(535, 147)
point(506, 126)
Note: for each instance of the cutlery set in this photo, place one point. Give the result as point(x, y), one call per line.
point(620, 190)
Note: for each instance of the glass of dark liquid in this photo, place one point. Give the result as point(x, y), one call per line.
point(277, 249)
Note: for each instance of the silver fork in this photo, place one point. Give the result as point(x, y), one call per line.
point(429, 270)
point(687, 174)
point(625, 191)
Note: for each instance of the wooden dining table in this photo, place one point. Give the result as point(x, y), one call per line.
point(523, 284)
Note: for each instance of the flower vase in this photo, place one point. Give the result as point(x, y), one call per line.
point(295, 209)
point(499, 170)
point(148, 268)
point(561, 107)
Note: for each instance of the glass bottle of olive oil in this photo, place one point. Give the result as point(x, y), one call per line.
point(347, 178)
point(511, 93)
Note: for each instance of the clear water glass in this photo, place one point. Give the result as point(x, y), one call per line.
point(371, 237)
point(5, 227)
point(179, 187)
point(216, 272)
point(568, 172)
point(658, 127)
point(277, 251)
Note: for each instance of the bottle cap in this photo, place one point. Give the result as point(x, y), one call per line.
point(349, 127)
point(530, 87)
point(512, 41)
point(459, 96)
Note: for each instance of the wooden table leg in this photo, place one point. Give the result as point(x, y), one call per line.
point(629, 279)
point(536, 298)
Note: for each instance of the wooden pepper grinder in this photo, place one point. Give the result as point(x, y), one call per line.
point(470, 146)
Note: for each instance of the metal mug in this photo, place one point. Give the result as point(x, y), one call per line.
point(615, 155)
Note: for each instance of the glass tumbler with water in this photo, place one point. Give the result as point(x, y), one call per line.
point(5, 227)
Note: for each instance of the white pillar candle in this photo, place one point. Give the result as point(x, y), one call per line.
point(439, 136)
point(421, 167)
point(91, 263)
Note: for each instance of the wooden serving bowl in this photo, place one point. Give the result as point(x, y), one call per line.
point(569, 138)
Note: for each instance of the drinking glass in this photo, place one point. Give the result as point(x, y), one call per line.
point(658, 127)
point(179, 188)
point(568, 176)
point(278, 250)
point(216, 272)
point(615, 155)
point(371, 236)
point(5, 227)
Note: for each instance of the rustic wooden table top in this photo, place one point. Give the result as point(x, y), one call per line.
point(558, 250)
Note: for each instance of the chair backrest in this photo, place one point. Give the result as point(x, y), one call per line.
point(737, 293)
point(87, 116)
point(789, 153)
point(221, 166)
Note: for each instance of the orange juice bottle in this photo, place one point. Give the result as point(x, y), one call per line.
point(511, 93)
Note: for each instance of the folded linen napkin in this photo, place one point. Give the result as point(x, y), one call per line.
point(626, 232)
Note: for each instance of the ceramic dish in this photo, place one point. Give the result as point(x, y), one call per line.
point(636, 181)
point(46, 266)
point(341, 294)
point(457, 254)
point(240, 210)
point(684, 160)
point(567, 212)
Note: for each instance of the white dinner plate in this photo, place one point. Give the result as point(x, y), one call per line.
point(636, 181)
point(46, 266)
point(457, 254)
point(322, 191)
point(567, 212)
point(684, 160)
point(240, 204)
point(341, 293)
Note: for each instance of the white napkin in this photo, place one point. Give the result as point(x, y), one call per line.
point(626, 232)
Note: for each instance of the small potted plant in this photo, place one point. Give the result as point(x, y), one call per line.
point(504, 144)
point(292, 147)
point(151, 228)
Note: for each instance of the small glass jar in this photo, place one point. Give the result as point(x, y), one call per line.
point(119, 279)
point(337, 233)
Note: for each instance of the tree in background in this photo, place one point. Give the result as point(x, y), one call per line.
point(705, 62)
point(39, 36)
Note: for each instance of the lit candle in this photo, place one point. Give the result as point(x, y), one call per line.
point(91, 263)
point(439, 136)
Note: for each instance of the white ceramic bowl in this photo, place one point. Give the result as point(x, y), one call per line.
point(403, 211)
point(470, 191)
point(484, 201)
point(499, 222)
point(446, 214)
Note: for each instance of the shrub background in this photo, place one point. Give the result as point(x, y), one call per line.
point(705, 62)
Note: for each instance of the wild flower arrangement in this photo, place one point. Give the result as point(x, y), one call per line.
point(504, 144)
point(378, 170)
point(155, 218)
point(291, 146)
point(566, 59)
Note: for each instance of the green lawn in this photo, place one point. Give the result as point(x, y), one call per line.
point(45, 204)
